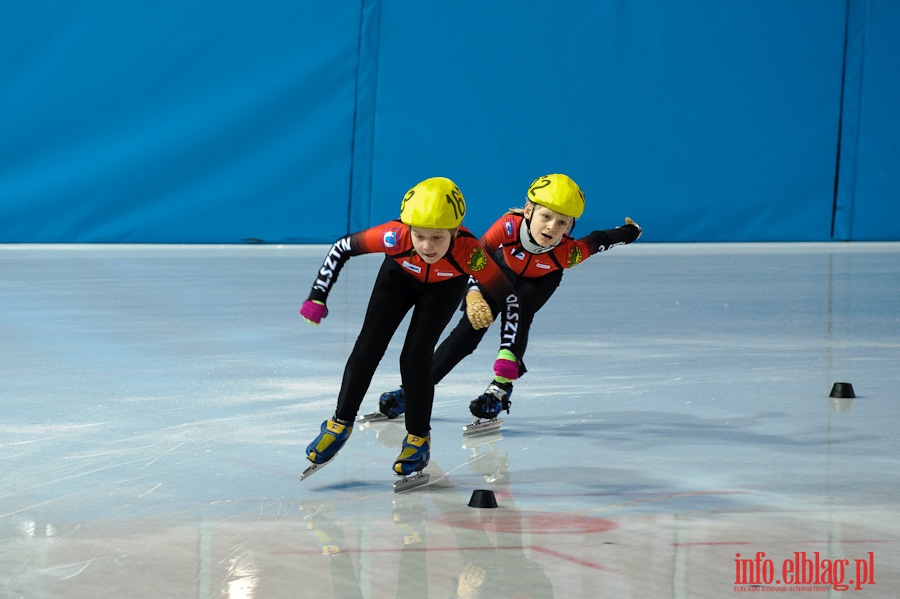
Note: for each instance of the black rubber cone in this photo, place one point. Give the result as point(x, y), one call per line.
point(483, 498)
point(842, 390)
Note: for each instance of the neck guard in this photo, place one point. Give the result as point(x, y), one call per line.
point(528, 243)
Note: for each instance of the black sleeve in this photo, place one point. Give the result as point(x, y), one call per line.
point(600, 241)
point(337, 256)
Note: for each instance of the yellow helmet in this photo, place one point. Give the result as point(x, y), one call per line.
point(559, 193)
point(435, 203)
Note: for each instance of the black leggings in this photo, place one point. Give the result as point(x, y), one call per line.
point(533, 294)
point(393, 295)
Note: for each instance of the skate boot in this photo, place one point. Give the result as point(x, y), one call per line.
point(390, 406)
point(414, 455)
point(488, 407)
point(413, 458)
point(391, 403)
point(332, 436)
point(494, 399)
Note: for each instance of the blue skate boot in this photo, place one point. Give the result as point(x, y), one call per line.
point(414, 455)
point(332, 436)
point(487, 407)
point(391, 404)
point(494, 399)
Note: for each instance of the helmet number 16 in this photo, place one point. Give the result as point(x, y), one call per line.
point(456, 201)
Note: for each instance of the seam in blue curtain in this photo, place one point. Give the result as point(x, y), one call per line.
point(359, 209)
point(848, 131)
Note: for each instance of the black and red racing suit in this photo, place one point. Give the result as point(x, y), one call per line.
point(535, 275)
point(433, 292)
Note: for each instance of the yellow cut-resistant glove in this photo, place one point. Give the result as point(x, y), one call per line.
point(478, 310)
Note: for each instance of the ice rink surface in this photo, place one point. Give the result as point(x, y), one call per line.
point(157, 401)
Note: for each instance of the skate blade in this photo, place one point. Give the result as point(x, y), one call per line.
point(377, 417)
point(373, 417)
point(482, 427)
point(313, 468)
point(412, 481)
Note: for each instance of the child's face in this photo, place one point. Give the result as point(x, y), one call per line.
point(431, 244)
point(547, 226)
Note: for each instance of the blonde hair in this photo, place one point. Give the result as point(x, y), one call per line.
point(521, 211)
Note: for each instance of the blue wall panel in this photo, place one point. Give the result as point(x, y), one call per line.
point(703, 120)
point(175, 121)
point(868, 201)
point(299, 121)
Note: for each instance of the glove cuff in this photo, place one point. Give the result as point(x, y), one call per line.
point(506, 366)
point(505, 354)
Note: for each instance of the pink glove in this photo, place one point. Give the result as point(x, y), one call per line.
point(506, 367)
point(313, 311)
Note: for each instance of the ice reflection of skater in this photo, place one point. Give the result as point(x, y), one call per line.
point(487, 460)
point(329, 536)
point(410, 517)
point(491, 569)
point(504, 571)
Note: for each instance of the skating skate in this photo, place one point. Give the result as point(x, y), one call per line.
point(413, 458)
point(325, 447)
point(390, 406)
point(487, 407)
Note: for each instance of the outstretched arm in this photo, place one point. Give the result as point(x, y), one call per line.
point(354, 244)
point(600, 241)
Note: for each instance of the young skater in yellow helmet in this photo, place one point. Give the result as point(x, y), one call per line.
point(429, 257)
